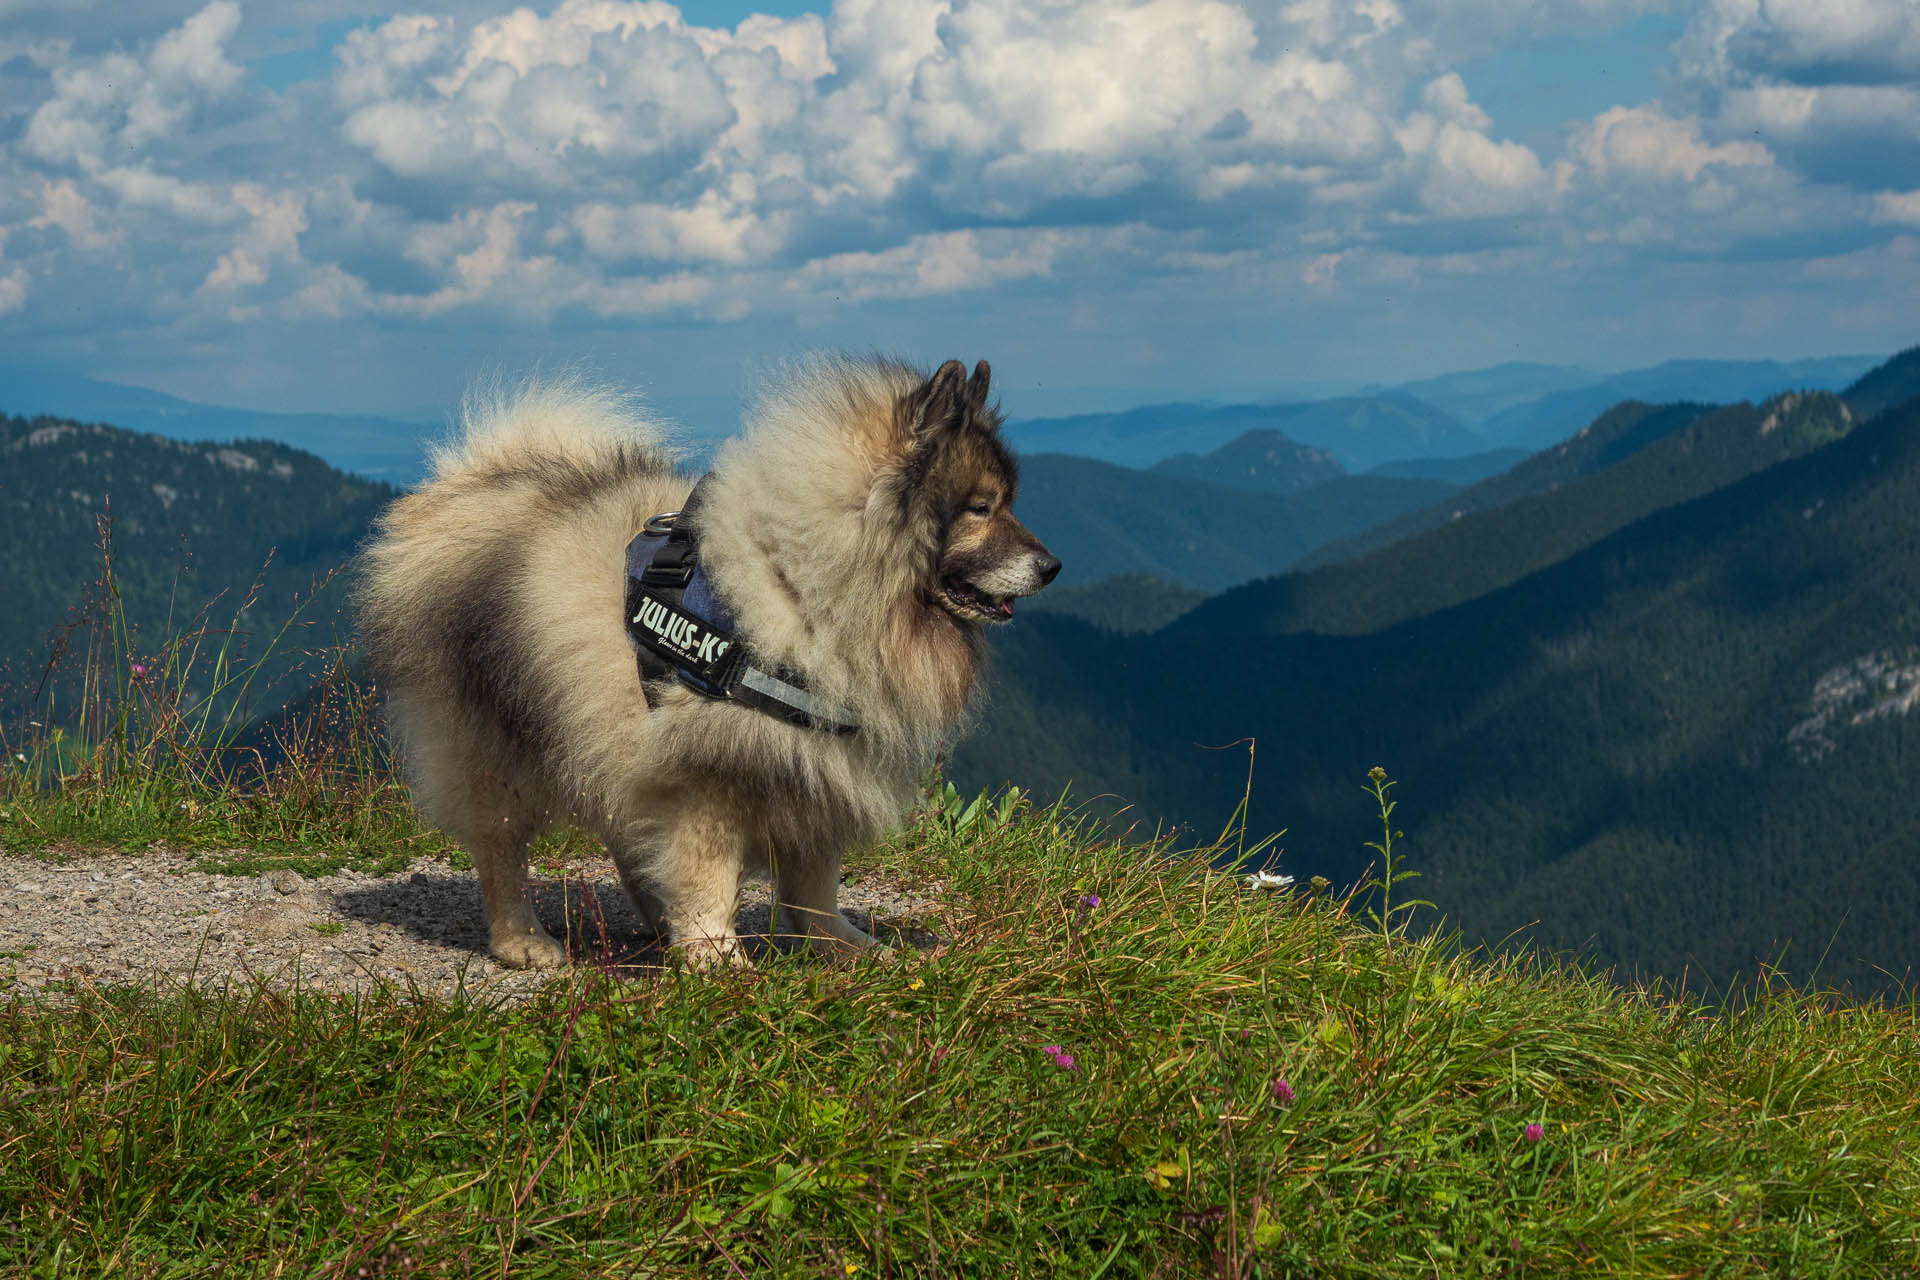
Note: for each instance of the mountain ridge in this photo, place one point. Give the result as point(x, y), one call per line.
point(1682, 749)
point(1625, 716)
point(381, 448)
point(1264, 460)
point(1360, 431)
point(1554, 417)
point(1103, 519)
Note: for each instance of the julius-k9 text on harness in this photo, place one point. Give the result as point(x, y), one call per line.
point(681, 627)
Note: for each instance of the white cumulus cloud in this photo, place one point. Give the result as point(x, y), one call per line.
point(1463, 173)
point(1817, 42)
point(1644, 142)
point(13, 291)
point(117, 104)
point(1834, 85)
point(1901, 207)
point(938, 263)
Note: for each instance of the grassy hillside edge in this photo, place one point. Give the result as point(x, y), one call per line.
point(1123, 1063)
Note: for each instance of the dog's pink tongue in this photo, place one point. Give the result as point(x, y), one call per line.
point(1006, 607)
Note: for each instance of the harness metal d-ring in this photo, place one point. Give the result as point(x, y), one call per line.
point(661, 524)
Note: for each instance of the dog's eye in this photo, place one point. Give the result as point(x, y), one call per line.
point(980, 509)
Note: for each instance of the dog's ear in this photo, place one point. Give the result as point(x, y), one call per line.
point(977, 388)
point(937, 410)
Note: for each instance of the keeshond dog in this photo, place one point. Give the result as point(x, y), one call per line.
point(860, 537)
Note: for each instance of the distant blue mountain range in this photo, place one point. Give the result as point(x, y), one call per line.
point(1508, 406)
point(381, 448)
point(1555, 415)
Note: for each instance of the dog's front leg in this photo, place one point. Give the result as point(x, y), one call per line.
point(696, 878)
point(806, 894)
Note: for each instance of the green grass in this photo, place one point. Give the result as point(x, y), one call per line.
point(908, 1119)
point(316, 795)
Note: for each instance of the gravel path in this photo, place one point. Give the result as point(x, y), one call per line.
point(150, 918)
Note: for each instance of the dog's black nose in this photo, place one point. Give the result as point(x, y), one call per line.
point(1047, 567)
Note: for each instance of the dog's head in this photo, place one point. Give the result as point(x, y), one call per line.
point(962, 476)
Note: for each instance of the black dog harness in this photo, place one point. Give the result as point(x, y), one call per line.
point(680, 626)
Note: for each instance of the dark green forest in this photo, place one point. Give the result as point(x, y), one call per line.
point(1131, 603)
point(1102, 519)
point(1471, 469)
point(192, 526)
point(1604, 442)
point(1682, 749)
point(1265, 461)
point(1635, 460)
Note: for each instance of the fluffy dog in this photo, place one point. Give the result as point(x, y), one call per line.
point(861, 533)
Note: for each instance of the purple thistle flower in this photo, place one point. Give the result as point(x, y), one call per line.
point(139, 671)
point(1061, 1058)
point(1535, 1133)
point(1282, 1091)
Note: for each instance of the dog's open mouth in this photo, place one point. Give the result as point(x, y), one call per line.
point(965, 600)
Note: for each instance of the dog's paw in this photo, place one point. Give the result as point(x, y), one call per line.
point(724, 952)
point(534, 949)
point(840, 939)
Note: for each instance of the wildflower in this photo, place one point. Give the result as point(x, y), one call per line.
point(1268, 880)
point(852, 1267)
point(1090, 901)
point(915, 985)
point(1061, 1058)
point(1535, 1133)
point(139, 671)
point(1377, 774)
point(1282, 1091)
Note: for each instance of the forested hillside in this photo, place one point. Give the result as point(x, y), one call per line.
point(1890, 384)
point(1263, 461)
point(363, 445)
point(1133, 603)
point(1607, 440)
point(1460, 559)
point(1103, 520)
point(1680, 749)
point(1555, 416)
point(1361, 431)
point(1471, 469)
point(189, 523)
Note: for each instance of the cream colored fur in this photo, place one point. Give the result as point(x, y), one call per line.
point(492, 604)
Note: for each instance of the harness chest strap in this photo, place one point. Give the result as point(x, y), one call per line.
point(679, 625)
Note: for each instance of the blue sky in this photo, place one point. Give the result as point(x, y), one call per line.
point(298, 204)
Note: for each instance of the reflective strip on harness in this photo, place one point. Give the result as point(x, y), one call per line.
point(824, 714)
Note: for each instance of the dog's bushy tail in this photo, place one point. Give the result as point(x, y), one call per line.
point(567, 415)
